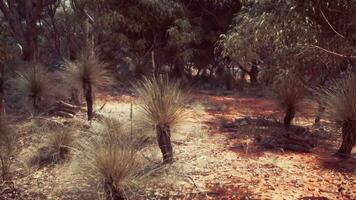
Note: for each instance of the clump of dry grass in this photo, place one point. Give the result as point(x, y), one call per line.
point(161, 104)
point(34, 86)
point(7, 145)
point(114, 130)
point(110, 162)
point(340, 103)
point(56, 148)
point(290, 92)
point(86, 73)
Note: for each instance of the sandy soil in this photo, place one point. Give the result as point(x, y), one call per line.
point(210, 163)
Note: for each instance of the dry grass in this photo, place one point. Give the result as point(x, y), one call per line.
point(115, 131)
point(110, 162)
point(88, 68)
point(33, 86)
point(55, 149)
point(340, 99)
point(7, 146)
point(161, 101)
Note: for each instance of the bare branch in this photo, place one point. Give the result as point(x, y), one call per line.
point(333, 53)
point(332, 28)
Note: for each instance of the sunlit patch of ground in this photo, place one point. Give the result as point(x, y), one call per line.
point(210, 163)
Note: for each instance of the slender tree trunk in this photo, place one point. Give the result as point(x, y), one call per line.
point(75, 97)
point(348, 138)
point(164, 142)
point(111, 192)
point(290, 113)
point(2, 104)
point(88, 98)
point(254, 75)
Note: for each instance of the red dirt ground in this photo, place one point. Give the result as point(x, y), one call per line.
point(336, 177)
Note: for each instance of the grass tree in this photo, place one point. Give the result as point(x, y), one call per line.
point(162, 106)
point(110, 161)
point(33, 86)
point(340, 103)
point(87, 72)
point(290, 91)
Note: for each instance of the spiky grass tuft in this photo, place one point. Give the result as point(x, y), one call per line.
point(161, 101)
point(7, 146)
point(290, 92)
point(340, 103)
point(86, 74)
point(114, 131)
point(34, 86)
point(87, 68)
point(110, 162)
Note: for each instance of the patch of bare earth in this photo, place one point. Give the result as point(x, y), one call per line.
point(213, 163)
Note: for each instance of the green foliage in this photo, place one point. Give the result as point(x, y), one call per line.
point(269, 32)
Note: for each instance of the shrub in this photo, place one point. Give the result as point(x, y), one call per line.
point(115, 131)
point(111, 161)
point(34, 86)
point(7, 146)
point(56, 148)
point(290, 91)
point(86, 73)
point(161, 103)
point(340, 103)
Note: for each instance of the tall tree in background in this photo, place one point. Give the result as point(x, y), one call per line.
point(22, 17)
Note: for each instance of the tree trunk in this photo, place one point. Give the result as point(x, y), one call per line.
point(28, 51)
point(111, 192)
point(76, 99)
point(88, 98)
point(348, 138)
point(2, 105)
point(289, 116)
point(254, 75)
point(164, 142)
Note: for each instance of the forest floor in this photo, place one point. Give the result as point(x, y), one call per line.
point(210, 161)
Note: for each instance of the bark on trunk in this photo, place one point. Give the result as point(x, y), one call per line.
point(2, 104)
point(164, 142)
point(348, 138)
point(289, 117)
point(111, 192)
point(29, 45)
point(28, 52)
point(75, 97)
point(88, 98)
point(254, 75)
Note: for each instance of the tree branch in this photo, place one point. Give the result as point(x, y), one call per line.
point(333, 53)
point(4, 8)
point(332, 28)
